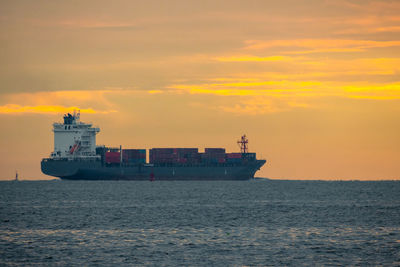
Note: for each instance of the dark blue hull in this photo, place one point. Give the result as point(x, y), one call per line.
point(95, 170)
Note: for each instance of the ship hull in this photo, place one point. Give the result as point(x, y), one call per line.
point(95, 170)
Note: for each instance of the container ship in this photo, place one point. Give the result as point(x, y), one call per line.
point(76, 157)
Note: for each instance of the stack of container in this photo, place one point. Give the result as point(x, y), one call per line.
point(161, 155)
point(114, 157)
point(213, 155)
point(174, 155)
point(134, 155)
point(187, 155)
point(234, 157)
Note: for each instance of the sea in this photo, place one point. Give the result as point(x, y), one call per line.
point(194, 223)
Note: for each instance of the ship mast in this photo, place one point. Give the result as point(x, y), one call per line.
point(243, 143)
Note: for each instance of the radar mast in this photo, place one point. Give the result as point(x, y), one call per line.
point(243, 143)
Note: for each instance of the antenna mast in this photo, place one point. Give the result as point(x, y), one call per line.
point(243, 143)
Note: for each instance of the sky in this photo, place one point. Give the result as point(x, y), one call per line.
point(315, 85)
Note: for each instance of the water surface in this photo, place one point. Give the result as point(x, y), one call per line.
point(199, 223)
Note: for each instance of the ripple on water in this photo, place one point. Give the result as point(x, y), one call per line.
point(200, 223)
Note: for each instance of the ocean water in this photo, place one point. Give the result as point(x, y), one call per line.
point(220, 223)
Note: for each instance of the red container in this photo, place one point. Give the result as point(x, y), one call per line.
point(187, 150)
point(173, 155)
point(162, 150)
point(112, 157)
point(234, 155)
point(213, 155)
point(134, 153)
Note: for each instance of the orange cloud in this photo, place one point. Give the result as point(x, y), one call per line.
point(320, 45)
point(261, 101)
point(308, 75)
point(87, 23)
point(377, 92)
point(394, 87)
point(152, 92)
point(292, 93)
point(88, 101)
point(284, 84)
point(262, 105)
point(358, 30)
point(305, 69)
point(252, 58)
point(67, 97)
point(45, 109)
point(250, 108)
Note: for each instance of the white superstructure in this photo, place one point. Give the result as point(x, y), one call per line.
point(74, 139)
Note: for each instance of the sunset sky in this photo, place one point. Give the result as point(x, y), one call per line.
point(315, 85)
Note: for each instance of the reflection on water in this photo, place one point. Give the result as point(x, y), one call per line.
point(200, 223)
